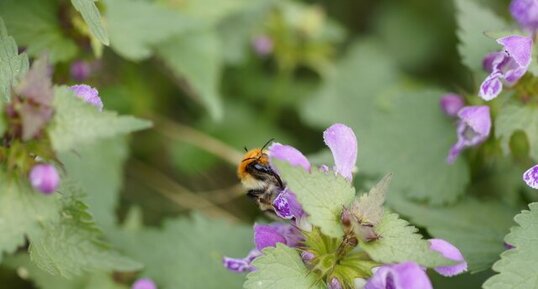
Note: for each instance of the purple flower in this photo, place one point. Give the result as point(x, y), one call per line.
point(88, 94)
point(507, 66)
point(269, 235)
point(473, 128)
point(399, 276)
point(449, 251)
point(44, 178)
point(289, 154)
point(307, 256)
point(144, 283)
point(334, 284)
point(241, 265)
point(531, 177)
point(525, 12)
point(343, 144)
point(262, 45)
point(451, 103)
point(80, 70)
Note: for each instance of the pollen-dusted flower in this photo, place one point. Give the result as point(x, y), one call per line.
point(144, 283)
point(525, 12)
point(531, 177)
point(507, 66)
point(262, 45)
point(451, 103)
point(449, 251)
point(406, 275)
point(44, 178)
point(473, 128)
point(88, 94)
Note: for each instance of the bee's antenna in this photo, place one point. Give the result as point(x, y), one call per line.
point(245, 148)
point(268, 142)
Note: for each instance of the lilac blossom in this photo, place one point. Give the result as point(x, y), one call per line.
point(262, 45)
point(531, 177)
point(449, 251)
point(406, 275)
point(451, 103)
point(473, 128)
point(88, 94)
point(525, 12)
point(44, 178)
point(507, 66)
point(144, 283)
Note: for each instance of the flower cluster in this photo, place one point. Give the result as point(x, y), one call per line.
point(299, 233)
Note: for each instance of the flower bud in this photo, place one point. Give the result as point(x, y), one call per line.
point(44, 178)
point(451, 103)
point(525, 12)
point(144, 283)
point(88, 94)
point(80, 70)
point(335, 284)
point(262, 45)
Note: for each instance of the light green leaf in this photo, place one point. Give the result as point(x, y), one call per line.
point(188, 252)
point(322, 195)
point(517, 268)
point(401, 129)
point(137, 27)
point(196, 57)
point(513, 118)
point(400, 242)
point(12, 64)
point(475, 227)
point(281, 267)
point(22, 210)
point(77, 123)
point(368, 208)
point(473, 22)
point(73, 244)
point(91, 16)
point(35, 25)
point(102, 161)
point(219, 9)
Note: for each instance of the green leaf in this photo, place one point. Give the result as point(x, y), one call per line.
point(473, 22)
point(22, 210)
point(400, 242)
point(44, 35)
point(12, 64)
point(474, 226)
point(102, 161)
point(77, 123)
point(137, 27)
point(513, 118)
point(196, 57)
point(91, 16)
point(396, 125)
point(322, 195)
point(281, 267)
point(73, 244)
point(187, 251)
point(517, 267)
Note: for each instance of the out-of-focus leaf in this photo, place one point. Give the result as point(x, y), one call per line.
point(22, 210)
point(35, 25)
point(514, 118)
point(196, 57)
point(137, 27)
point(475, 227)
point(517, 267)
point(322, 195)
point(400, 242)
point(187, 251)
point(91, 16)
point(12, 64)
point(474, 21)
point(73, 244)
point(77, 123)
point(208, 11)
point(400, 129)
point(98, 168)
point(43, 280)
point(281, 267)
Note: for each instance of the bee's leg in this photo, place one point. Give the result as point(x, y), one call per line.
point(262, 198)
point(254, 193)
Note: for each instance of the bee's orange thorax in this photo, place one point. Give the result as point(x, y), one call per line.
point(253, 155)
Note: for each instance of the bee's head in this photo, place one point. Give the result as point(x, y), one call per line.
point(257, 155)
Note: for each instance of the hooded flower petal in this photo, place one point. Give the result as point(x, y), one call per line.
point(531, 177)
point(44, 178)
point(451, 103)
point(525, 12)
point(343, 144)
point(399, 276)
point(449, 251)
point(473, 128)
point(267, 236)
point(88, 94)
point(144, 283)
point(289, 154)
point(519, 48)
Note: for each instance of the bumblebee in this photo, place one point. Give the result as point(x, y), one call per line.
point(257, 176)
